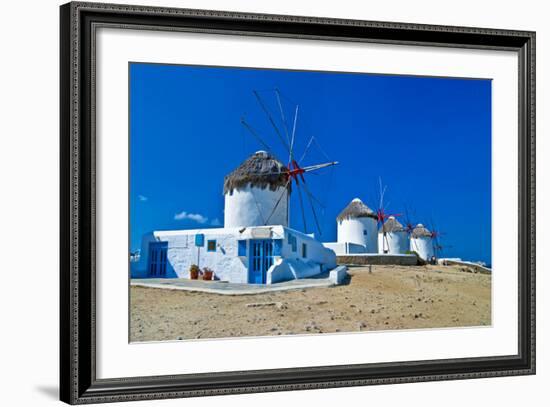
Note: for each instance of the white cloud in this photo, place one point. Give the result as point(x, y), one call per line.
point(196, 217)
point(142, 198)
point(215, 222)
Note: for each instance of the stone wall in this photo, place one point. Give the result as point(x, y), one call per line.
point(378, 259)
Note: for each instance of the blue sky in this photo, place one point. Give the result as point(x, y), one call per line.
point(428, 139)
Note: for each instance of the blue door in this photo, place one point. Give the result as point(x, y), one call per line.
point(261, 259)
point(157, 259)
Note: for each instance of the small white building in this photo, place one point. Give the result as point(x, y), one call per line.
point(392, 238)
point(357, 230)
point(255, 245)
point(421, 242)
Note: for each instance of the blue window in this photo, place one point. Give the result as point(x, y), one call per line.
point(364, 233)
point(277, 247)
point(199, 240)
point(304, 250)
point(211, 246)
point(242, 248)
point(294, 242)
point(290, 238)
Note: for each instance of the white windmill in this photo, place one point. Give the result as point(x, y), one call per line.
point(392, 237)
point(393, 230)
point(357, 229)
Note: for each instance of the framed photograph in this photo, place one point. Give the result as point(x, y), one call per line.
point(255, 203)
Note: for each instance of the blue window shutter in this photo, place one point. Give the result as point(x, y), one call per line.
point(199, 240)
point(242, 248)
point(277, 247)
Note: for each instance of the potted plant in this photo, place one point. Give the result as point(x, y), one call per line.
point(194, 272)
point(207, 274)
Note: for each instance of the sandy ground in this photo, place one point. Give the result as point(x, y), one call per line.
point(391, 297)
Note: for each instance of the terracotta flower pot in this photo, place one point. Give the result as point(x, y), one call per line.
point(194, 272)
point(207, 275)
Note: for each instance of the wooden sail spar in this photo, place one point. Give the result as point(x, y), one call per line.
point(294, 172)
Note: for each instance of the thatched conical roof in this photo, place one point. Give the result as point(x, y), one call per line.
point(261, 170)
point(392, 225)
point(420, 231)
point(356, 209)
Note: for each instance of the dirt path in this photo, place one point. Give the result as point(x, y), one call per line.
point(391, 297)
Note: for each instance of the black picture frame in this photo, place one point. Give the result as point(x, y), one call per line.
point(78, 382)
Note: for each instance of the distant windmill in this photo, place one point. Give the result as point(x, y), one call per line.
point(382, 216)
point(294, 172)
point(435, 236)
point(425, 241)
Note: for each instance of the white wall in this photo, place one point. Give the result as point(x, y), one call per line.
point(345, 248)
point(293, 265)
point(182, 253)
point(255, 207)
point(423, 246)
point(316, 252)
point(338, 248)
point(352, 231)
point(393, 242)
point(29, 166)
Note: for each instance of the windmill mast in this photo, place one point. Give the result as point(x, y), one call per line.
point(435, 236)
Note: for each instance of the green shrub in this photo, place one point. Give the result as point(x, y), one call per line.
point(419, 260)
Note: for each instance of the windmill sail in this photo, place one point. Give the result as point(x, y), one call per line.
point(293, 173)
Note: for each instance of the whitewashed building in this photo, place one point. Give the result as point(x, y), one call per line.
point(421, 242)
point(356, 230)
point(255, 245)
point(392, 238)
